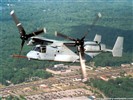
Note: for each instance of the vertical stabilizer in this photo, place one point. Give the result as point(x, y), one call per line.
point(118, 47)
point(97, 38)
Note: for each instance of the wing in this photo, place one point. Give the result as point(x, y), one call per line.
point(40, 40)
point(62, 52)
point(69, 43)
point(68, 46)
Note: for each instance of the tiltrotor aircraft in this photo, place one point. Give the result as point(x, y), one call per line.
point(55, 50)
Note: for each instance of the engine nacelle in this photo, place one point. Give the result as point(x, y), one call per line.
point(94, 49)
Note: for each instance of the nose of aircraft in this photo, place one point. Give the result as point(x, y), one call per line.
point(32, 55)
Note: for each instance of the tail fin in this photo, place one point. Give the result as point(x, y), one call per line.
point(118, 47)
point(97, 38)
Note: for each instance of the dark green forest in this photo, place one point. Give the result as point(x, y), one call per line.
point(119, 88)
point(71, 18)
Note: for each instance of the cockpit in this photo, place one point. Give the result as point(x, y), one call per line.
point(41, 49)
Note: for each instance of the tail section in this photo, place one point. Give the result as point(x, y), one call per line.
point(118, 47)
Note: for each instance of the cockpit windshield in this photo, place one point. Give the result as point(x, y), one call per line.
point(37, 49)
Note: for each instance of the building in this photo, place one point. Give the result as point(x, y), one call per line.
point(105, 78)
point(59, 69)
point(125, 65)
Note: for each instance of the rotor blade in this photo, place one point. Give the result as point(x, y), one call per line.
point(82, 63)
point(35, 33)
point(82, 52)
point(92, 25)
point(64, 36)
point(95, 20)
point(22, 44)
point(84, 36)
point(18, 24)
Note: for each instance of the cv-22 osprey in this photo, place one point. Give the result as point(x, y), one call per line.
point(56, 50)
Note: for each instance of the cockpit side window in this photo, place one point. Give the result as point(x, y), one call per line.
point(43, 49)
